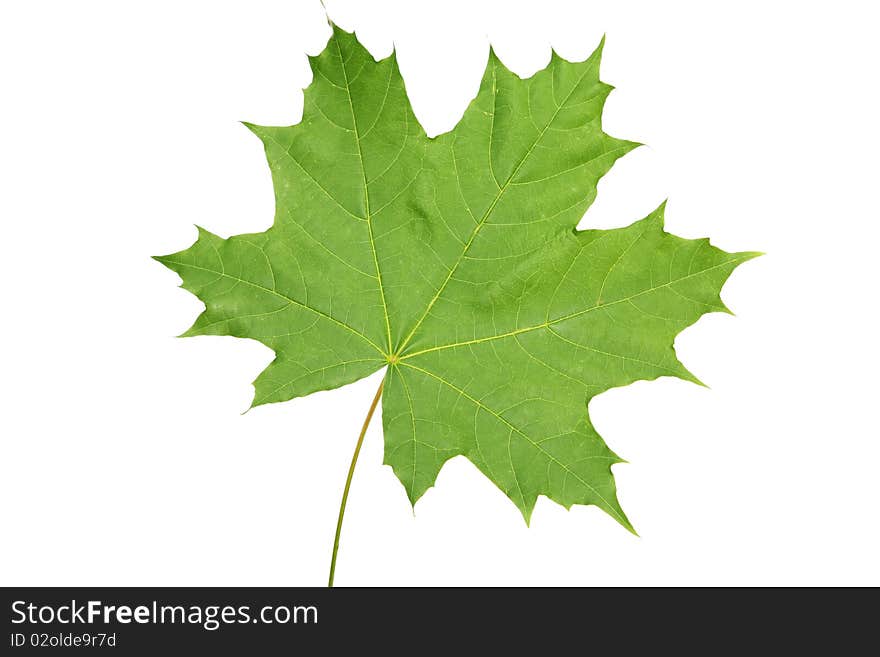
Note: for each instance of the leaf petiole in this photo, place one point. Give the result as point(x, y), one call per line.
point(354, 458)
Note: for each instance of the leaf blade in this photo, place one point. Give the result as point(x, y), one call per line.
point(456, 262)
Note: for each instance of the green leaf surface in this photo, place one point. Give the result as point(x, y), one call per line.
point(455, 262)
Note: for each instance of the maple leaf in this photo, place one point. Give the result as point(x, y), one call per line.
point(455, 262)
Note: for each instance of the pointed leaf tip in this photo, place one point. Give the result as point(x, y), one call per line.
point(597, 52)
point(255, 128)
point(751, 255)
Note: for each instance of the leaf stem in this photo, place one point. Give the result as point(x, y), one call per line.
point(354, 458)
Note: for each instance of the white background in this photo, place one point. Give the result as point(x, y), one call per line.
point(125, 457)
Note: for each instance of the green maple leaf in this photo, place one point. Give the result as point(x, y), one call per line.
point(456, 264)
